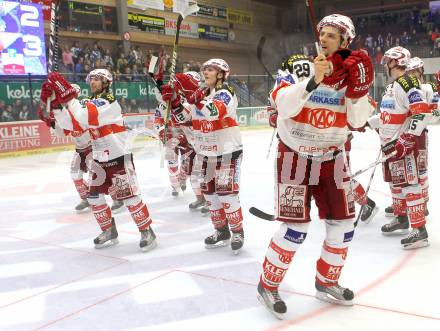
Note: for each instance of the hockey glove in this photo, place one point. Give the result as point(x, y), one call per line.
point(185, 84)
point(197, 96)
point(405, 145)
point(46, 93)
point(64, 92)
point(360, 74)
point(169, 93)
point(338, 76)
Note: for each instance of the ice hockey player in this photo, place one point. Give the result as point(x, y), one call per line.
point(217, 140)
point(314, 111)
point(112, 169)
point(404, 114)
point(173, 145)
point(180, 143)
point(369, 208)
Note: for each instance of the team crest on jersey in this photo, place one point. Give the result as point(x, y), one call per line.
point(385, 117)
point(321, 118)
point(206, 126)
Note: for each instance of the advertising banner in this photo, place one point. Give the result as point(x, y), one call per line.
point(9, 92)
point(212, 12)
point(237, 16)
point(213, 32)
point(188, 30)
point(146, 23)
point(30, 136)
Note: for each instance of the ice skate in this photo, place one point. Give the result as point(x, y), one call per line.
point(272, 301)
point(174, 192)
point(220, 238)
point(398, 226)
point(205, 209)
point(108, 237)
point(196, 204)
point(183, 186)
point(334, 294)
point(369, 211)
point(117, 206)
point(148, 240)
point(82, 206)
point(389, 211)
point(237, 241)
point(417, 238)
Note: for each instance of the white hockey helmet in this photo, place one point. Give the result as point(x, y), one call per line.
point(219, 64)
point(398, 53)
point(104, 74)
point(343, 23)
point(414, 63)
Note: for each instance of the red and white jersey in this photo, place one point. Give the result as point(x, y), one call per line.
point(102, 117)
point(433, 99)
point(214, 123)
point(81, 138)
point(403, 109)
point(316, 123)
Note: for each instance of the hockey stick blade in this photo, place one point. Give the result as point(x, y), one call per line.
point(261, 214)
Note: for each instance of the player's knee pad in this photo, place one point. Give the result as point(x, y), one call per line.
point(290, 236)
point(232, 209)
point(339, 233)
point(96, 200)
point(218, 216)
point(424, 183)
point(132, 201)
point(76, 174)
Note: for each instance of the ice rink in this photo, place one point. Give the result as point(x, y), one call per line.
point(51, 277)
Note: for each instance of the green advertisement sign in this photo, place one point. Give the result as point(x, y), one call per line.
point(9, 92)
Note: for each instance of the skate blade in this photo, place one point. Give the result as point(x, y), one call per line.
point(277, 315)
point(236, 251)
point(220, 244)
point(396, 233)
point(373, 213)
point(389, 215)
point(149, 247)
point(323, 296)
point(107, 244)
point(419, 244)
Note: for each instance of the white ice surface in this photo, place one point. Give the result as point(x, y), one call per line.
point(51, 277)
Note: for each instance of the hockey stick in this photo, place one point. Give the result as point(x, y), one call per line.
point(261, 214)
point(311, 10)
point(191, 9)
point(368, 189)
point(53, 43)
